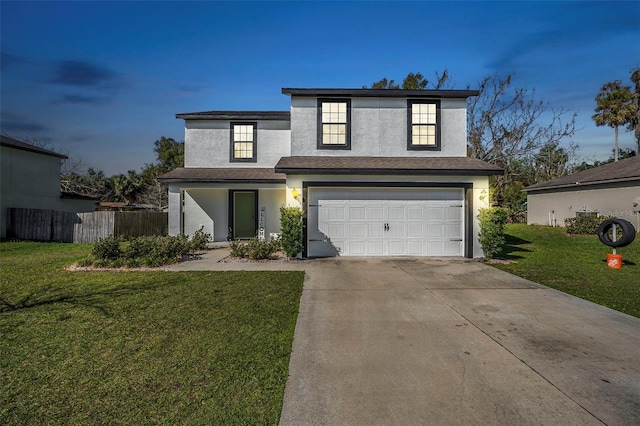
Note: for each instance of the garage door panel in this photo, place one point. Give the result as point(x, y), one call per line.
point(375, 248)
point(375, 213)
point(335, 213)
point(396, 230)
point(415, 230)
point(357, 230)
point(452, 248)
point(357, 213)
point(415, 248)
point(435, 214)
point(452, 231)
point(396, 247)
point(336, 230)
point(435, 231)
point(357, 247)
point(453, 213)
point(397, 213)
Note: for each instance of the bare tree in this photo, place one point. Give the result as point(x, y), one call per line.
point(507, 127)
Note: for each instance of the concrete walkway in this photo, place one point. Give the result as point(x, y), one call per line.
point(452, 342)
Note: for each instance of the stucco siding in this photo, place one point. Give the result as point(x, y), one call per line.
point(32, 180)
point(208, 144)
point(612, 200)
point(208, 205)
point(378, 128)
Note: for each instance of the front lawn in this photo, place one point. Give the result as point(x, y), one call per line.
point(575, 264)
point(140, 347)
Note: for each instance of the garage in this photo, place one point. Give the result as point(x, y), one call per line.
point(386, 222)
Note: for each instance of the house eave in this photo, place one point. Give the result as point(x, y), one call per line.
point(388, 172)
point(236, 115)
point(380, 93)
point(581, 184)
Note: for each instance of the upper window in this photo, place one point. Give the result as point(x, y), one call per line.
point(334, 124)
point(243, 142)
point(423, 125)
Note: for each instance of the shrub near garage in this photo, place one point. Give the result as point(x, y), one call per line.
point(492, 225)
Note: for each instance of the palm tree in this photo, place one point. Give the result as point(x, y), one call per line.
point(614, 108)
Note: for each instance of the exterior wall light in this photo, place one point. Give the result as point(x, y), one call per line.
point(294, 193)
point(483, 194)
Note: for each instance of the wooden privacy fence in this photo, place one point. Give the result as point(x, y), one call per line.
point(82, 228)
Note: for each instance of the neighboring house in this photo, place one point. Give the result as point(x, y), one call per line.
point(376, 173)
point(30, 178)
point(609, 190)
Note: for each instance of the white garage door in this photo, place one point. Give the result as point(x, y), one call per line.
point(391, 227)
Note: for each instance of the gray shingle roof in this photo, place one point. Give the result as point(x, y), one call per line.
point(624, 170)
point(236, 115)
point(380, 93)
point(239, 174)
point(387, 165)
point(14, 143)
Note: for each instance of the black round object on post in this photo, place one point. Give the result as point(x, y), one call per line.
point(626, 228)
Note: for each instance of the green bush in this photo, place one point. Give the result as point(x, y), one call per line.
point(492, 223)
point(291, 230)
point(107, 248)
point(584, 224)
point(199, 240)
point(253, 248)
point(150, 251)
point(238, 248)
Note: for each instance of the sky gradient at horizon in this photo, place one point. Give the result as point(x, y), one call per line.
point(103, 80)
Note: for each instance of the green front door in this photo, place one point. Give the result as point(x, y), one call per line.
point(244, 214)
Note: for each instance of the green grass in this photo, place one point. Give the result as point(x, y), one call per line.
point(575, 264)
point(140, 347)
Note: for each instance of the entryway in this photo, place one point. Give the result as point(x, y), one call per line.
point(244, 213)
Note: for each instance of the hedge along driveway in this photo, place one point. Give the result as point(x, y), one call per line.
point(140, 347)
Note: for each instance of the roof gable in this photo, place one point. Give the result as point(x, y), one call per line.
point(623, 170)
point(23, 146)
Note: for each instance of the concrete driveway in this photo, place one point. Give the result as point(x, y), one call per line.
point(451, 341)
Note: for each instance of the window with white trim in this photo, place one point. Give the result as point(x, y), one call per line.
point(243, 142)
point(334, 123)
point(423, 125)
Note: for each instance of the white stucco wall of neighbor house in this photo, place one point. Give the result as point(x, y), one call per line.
point(479, 199)
point(378, 128)
point(552, 207)
point(207, 205)
point(208, 144)
point(31, 180)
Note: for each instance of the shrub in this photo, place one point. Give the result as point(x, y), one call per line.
point(291, 230)
point(151, 251)
point(259, 250)
point(253, 249)
point(199, 240)
point(107, 248)
point(584, 224)
point(492, 222)
point(238, 248)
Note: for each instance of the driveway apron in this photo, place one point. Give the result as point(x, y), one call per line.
point(452, 341)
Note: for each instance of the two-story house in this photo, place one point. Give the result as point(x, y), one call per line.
point(376, 173)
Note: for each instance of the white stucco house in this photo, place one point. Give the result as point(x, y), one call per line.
point(375, 172)
point(609, 190)
point(30, 179)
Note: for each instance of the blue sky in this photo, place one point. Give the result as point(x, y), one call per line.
point(103, 80)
